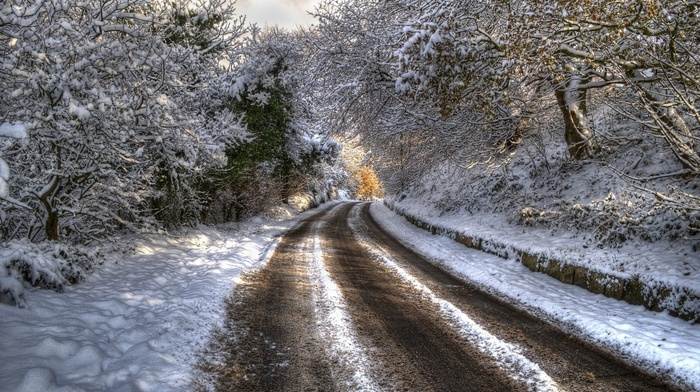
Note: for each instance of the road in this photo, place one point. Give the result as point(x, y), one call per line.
point(343, 306)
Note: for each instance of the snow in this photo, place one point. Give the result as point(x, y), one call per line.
point(649, 261)
point(4, 170)
point(4, 188)
point(136, 324)
point(13, 287)
point(663, 344)
point(335, 324)
point(507, 355)
point(17, 131)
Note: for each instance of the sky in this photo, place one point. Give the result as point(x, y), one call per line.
point(285, 13)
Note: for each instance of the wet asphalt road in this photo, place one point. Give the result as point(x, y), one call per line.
point(272, 339)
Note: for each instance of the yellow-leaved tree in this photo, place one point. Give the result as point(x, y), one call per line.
point(368, 185)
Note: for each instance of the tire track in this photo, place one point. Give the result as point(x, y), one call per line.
point(416, 349)
point(270, 340)
point(336, 328)
point(574, 364)
point(342, 306)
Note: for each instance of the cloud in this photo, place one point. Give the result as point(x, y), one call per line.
point(285, 13)
point(300, 6)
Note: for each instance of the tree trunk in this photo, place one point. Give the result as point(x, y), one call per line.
point(45, 198)
point(577, 133)
point(286, 190)
point(52, 226)
point(674, 130)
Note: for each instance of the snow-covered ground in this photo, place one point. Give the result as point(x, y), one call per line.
point(138, 325)
point(135, 325)
point(657, 264)
point(663, 344)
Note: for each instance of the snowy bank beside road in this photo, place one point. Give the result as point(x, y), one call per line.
point(664, 345)
point(658, 275)
point(135, 325)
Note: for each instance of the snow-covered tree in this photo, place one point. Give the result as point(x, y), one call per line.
point(272, 90)
point(209, 32)
point(453, 58)
point(491, 61)
point(109, 107)
point(647, 47)
point(109, 119)
point(14, 131)
point(355, 41)
point(211, 27)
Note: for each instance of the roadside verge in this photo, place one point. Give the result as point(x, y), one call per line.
point(652, 292)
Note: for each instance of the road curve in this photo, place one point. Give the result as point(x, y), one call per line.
point(343, 306)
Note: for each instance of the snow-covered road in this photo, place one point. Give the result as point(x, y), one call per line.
point(386, 319)
point(661, 344)
point(141, 324)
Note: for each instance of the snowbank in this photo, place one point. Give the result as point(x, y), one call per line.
point(50, 265)
point(655, 276)
point(136, 324)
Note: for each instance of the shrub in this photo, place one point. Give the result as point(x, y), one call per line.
point(49, 265)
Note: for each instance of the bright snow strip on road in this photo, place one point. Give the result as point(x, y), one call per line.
point(508, 356)
point(136, 325)
point(335, 324)
point(664, 345)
